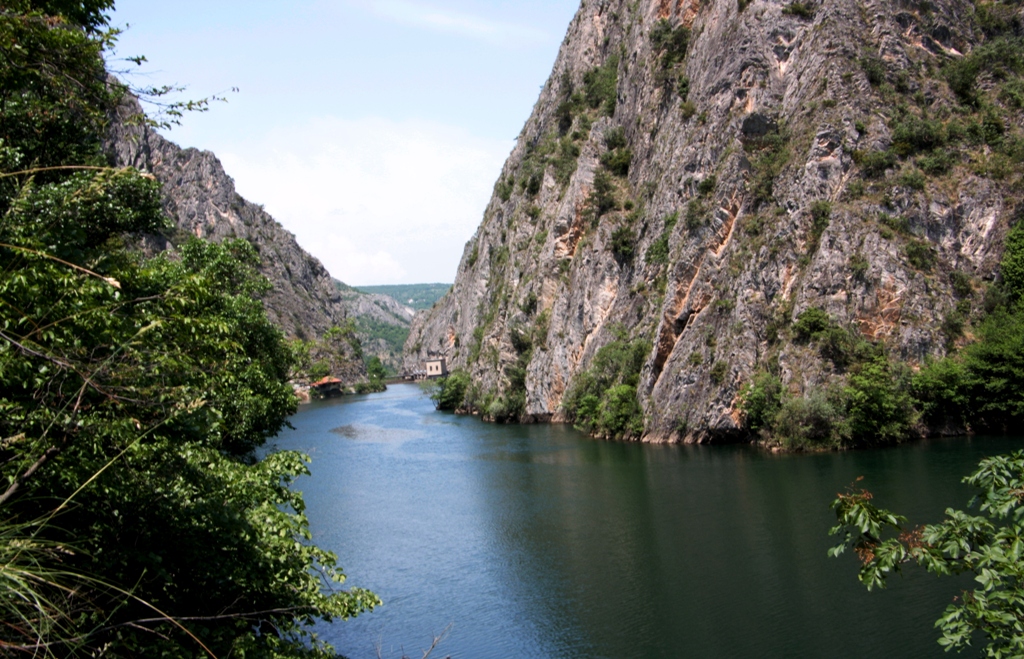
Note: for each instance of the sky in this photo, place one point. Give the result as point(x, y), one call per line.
point(373, 130)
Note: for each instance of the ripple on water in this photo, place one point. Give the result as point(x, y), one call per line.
point(375, 434)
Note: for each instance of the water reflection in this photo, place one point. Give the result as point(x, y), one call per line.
point(536, 541)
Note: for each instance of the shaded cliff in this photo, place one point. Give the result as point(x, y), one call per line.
point(697, 175)
point(201, 199)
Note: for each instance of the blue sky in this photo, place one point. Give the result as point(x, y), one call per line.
point(372, 129)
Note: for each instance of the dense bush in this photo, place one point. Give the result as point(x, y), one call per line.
point(816, 420)
point(619, 413)
point(874, 407)
point(615, 138)
point(623, 244)
point(821, 215)
point(858, 265)
point(602, 400)
point(602, 198)
point(875, 163)
point(601, 86)
point(874, 70)
point(683, 89)
point(1012, 266)
point(617, 161)
point(657, 253)
point(982, 386)
point(449, 393)
point(801, 9)
point(921, 255)
point(761, 401)
point(671, 42)
point(810, 323)
point(912, 134)
point(719, 371)
point(504, 187)
point(696, 214)
point(937, 162)
point(769, 155)
point(913, 178)
point(879, 405)
point(565, 162)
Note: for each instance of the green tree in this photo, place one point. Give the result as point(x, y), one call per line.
point(602, 399)
point(1012, 266)
point(449, 393)
point(987, 545)
point(139, 517)
point(761, 401)
point(375, 369)
point(878, 403)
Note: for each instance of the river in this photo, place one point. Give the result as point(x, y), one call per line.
point(537, 541)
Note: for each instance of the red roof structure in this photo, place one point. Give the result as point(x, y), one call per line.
point(326, 381)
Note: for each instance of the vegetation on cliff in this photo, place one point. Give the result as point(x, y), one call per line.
point(139, 518)
point(882, 400)
point(802, 206)
point(602, 399)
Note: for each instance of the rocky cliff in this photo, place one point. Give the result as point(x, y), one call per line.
point(201, 200)
point(697, 174)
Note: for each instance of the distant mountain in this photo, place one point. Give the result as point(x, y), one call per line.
point(417, 296)
point(382, 323)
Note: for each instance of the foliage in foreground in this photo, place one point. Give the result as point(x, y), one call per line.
point(989, 545)
point(138, 518)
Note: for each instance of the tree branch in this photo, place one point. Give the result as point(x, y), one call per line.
point(25, 475)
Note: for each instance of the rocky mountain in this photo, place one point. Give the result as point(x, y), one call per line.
point(201, 200)
point(701, 179)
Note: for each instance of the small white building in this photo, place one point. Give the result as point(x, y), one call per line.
point(437, 368)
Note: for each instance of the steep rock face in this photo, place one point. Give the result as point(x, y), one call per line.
point(755, 191)
point(201, 200)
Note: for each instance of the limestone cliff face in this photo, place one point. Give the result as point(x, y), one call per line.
point(753, 193)
point(201, 200)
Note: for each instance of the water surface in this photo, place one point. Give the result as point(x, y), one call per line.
point(537, 541)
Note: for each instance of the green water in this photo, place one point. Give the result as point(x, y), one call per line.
point(536, 541)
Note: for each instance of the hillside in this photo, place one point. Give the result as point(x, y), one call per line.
point(709, 192)
point(416, 296)
point(200, 198)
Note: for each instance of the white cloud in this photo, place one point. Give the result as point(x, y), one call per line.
point(443, 20)
point(377, 201)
